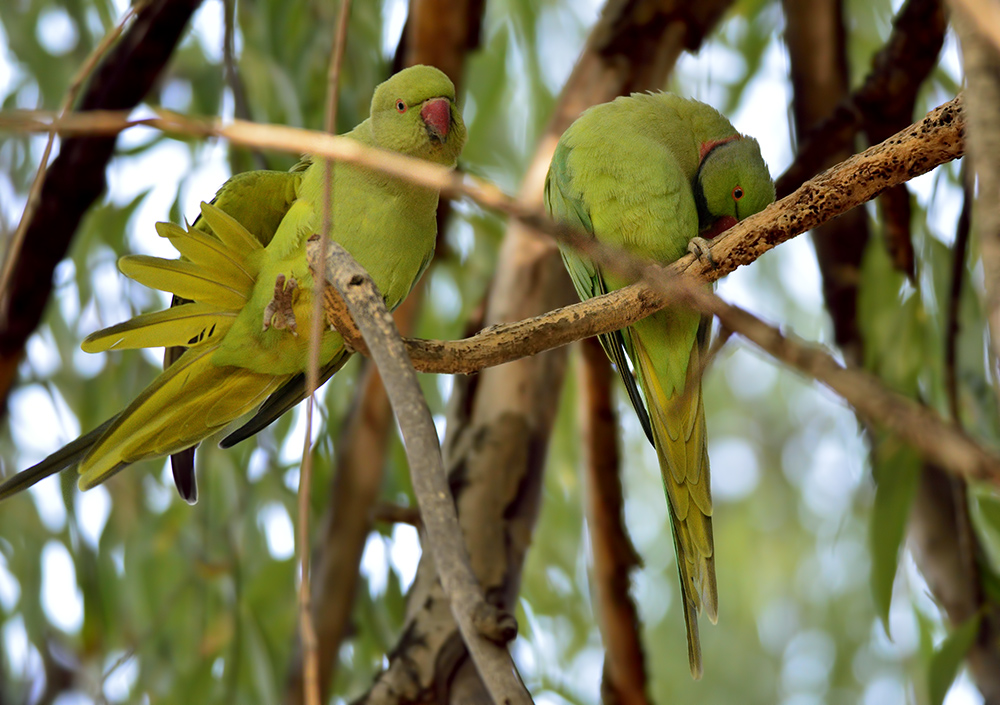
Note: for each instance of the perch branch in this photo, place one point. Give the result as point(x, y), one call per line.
point(936, 139)
point(430, 483)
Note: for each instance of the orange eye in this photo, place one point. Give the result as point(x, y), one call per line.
point(400, 106)
point(737, 193)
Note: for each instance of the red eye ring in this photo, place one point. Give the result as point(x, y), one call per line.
point(737, 193)
point(401, 106)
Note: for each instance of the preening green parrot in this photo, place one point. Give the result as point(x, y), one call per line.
point(249, 290)
point(650, 173)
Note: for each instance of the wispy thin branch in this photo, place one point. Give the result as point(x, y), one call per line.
point(430, 483)
point(307, 629)
point(34, 194)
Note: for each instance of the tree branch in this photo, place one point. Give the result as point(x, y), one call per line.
point(625, 680)
point(936, 139)
point(76, 177)
point(430, 485)
point(364, 433)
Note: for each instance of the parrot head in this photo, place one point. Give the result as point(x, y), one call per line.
point(732, 183)
point(414, 112)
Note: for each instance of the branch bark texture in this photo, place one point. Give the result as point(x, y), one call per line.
point(443, 534)
point(440, 33)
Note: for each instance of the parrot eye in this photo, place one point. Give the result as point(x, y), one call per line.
point(400, 106)
point(737, 193)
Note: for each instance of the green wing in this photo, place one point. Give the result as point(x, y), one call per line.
point(258, 200)
point(566, 207)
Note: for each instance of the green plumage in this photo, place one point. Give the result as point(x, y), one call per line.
point(648, 173)
point(255, 231)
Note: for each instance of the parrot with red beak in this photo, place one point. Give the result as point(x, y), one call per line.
point(245, 291)
point(658, 175)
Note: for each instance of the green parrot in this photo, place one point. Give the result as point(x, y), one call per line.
point(651, 173)
point(246, 292)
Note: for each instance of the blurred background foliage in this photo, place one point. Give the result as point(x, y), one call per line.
point(144, 599)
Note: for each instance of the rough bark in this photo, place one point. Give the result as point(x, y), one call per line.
point(816, 48)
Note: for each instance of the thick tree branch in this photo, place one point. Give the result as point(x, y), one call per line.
point(76, 177)
point(896, 75)
point(614, 557)
point(430, 485)
point(928, 143)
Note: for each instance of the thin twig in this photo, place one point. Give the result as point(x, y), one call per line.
point(430, 483)
point(918, 425)
point(241, 107)
point(310, 645)
point(336, 62)
point(388, 513)
point(34, 194)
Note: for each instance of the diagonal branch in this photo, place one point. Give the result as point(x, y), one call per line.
point(430, 483)
point(936, 139)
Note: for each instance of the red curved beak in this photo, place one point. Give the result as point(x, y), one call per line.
point(436, 115)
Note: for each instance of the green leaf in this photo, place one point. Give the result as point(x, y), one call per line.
point(989, 509)
point(897, 471)
point(948, 658)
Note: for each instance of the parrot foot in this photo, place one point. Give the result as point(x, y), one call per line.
point(699, 247)
point(279, 312)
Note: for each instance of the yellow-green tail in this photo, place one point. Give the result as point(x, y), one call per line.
point(189, 401)
point(678, 425)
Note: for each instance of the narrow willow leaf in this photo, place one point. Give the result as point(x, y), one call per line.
point(989, 510)
point(948, 658)
point(897, 473)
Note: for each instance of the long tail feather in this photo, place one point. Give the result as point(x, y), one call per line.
point(290, 394)
point(185, 279)
point(188, 402)
point(211, 253)
point(64, 458)
point(181, 325)
point(678, 425)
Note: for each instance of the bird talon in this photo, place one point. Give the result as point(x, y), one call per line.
point(699, 247)
point(279, 312)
